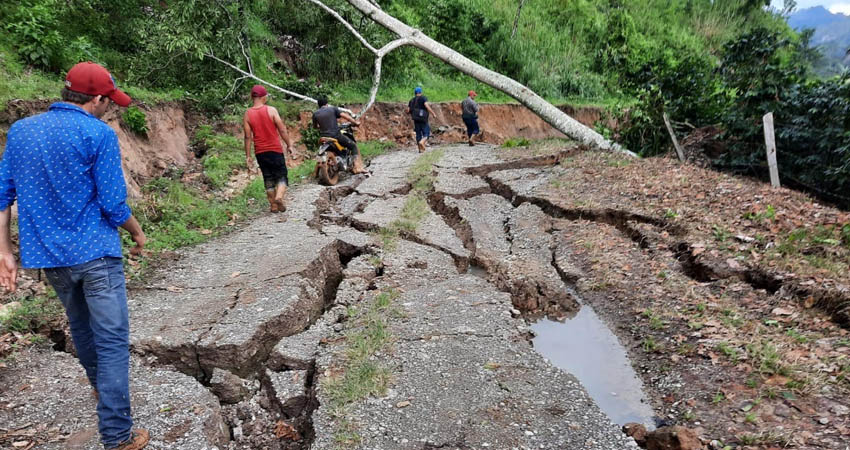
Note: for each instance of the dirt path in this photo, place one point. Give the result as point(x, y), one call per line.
point(393, 313)
point(243, 342)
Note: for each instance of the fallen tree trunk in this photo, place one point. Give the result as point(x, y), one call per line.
point(548, 112)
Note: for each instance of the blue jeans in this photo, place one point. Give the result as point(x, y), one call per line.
point(95, 300)
point(471, 126)
point(423, 130)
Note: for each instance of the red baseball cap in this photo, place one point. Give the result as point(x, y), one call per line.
point(472, 93)
point(259, 91)
point(93, 79)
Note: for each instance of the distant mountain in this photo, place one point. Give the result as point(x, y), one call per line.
point(832, 36)
point(815, 17)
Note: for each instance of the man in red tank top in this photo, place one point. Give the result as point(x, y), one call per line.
point(264, 128)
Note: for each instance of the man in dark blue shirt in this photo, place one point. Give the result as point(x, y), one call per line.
point(419, 110)
point(64, 169)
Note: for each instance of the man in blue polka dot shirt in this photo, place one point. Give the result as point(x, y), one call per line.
point(64, 169)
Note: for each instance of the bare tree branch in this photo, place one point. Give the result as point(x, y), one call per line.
point(393, 45)
point(247, 57)
point(236, 84)
point(347, 25)
point(516, 19)
point(252, 76)
point(376, 79)
point(273, 86)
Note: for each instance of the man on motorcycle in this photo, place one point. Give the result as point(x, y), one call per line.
point(325, 119)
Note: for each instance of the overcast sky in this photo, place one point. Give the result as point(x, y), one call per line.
point(836, 6)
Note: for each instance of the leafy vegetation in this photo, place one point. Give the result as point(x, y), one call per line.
point(174, 214)
point(33, 313)
point(136, 120)
point(516, 142)
point(702, 62)
point(361, 375)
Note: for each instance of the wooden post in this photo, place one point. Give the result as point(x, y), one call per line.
point(673, 136)
point(770, 143)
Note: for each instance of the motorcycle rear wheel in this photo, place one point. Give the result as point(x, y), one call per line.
point(328, 172)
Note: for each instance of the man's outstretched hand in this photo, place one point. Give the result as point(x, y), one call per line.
point(8, 272)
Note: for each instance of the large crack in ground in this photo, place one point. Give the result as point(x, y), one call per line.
point(267, 400)
point(264, 406)
point(283, 395)
point(832, 300)
point(620, 219)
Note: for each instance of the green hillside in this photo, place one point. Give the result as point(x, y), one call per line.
point(704, 62)
point(579, 50)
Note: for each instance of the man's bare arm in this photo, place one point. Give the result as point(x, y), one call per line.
point(281, 129)
point(249, 140)
point(132, 226)
point(428, 107)
point(347, 117)
point(8, 265)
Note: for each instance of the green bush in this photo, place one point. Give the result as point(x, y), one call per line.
point(770, 73)
point(34, 25)
point(136, 120)
point(310, 139)
point(176, 215)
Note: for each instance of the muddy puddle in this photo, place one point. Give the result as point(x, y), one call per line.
point(586, 348)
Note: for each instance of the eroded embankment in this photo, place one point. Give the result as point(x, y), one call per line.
point(500, 122)
point(164, 147)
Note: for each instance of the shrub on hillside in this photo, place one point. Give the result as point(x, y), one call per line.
point(136, 120)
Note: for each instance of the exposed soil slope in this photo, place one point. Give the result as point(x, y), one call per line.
point(166, 145)
point(499, 122)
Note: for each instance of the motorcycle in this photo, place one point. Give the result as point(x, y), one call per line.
point(333, 158)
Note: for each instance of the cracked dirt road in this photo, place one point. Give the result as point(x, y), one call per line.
point(231, 342)
point(235, 343)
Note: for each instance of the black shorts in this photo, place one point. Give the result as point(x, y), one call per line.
point(273, 167)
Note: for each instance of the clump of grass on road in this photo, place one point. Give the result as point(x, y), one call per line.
point(416, 207)
point(361, 375)
point(371, 149)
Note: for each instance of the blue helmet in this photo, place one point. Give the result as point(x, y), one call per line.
point(418, 90)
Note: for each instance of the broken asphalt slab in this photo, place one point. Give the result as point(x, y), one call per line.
point(465, 377)
point(48, 393)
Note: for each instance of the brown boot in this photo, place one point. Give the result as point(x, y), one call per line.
point(138, 440)
point(281, 205)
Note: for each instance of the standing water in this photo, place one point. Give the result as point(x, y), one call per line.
point(586, 348)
